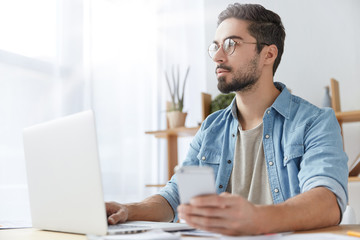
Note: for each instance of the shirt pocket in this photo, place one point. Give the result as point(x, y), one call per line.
point(293, 154)
point(209, 157)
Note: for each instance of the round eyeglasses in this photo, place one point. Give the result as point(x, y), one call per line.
point(228, 46)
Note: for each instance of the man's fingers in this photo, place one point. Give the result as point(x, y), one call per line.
point(220, 201)
point(211, 224)
point(117, 213)
point(219, 221)
point(111, 220)
point(114, 219)
point(118, 217)
point(111, 208)
point(202, 211)
point(225, 213)
point(212, 200)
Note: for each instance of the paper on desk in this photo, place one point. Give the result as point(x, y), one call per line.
point(161, 235)
point(318, 236)
point(210, 235)
point(199, 233)
point(275, 236)
point(149, 235)
point(289, 236)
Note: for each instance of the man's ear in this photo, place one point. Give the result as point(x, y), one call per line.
point(271, 54)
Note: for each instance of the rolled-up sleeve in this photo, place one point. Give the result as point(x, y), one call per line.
point(324, 163)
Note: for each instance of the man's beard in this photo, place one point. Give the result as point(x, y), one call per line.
point(243, 80)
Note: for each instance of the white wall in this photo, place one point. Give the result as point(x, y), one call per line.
point(354, 196)
point(322, 42)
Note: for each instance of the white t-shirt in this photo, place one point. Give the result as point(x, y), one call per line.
point(249, 177)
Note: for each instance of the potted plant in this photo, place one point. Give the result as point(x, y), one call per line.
point(175, 115)
point(221, 101)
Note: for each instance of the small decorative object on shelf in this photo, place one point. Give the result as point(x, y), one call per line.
point(355, 167)
point(176, 119)
point(175, 115)
point(327, 99)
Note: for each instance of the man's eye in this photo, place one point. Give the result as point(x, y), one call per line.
point(231, 43)
point(214, 47)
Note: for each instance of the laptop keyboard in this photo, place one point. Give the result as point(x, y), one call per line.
point(126, 229)
point(124, 226)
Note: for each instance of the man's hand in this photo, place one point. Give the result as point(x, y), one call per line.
point(233, 215)
point(153, 208)
point(116, 213)
point(225, 213)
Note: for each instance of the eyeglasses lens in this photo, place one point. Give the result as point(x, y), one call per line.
point(213, 48)
point(228, 47)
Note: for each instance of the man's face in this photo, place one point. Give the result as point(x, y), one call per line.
point(238, 71)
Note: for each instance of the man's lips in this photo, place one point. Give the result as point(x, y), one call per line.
point(220, 70)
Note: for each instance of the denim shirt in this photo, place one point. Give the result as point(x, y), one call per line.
point(302, 145)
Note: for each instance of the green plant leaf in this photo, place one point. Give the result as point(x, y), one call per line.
point(221, 101)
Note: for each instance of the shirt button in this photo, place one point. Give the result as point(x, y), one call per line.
point(220, 186)
point(228, 161)
point(271, 163)
point(203, 158)
point(267, 136)
point(276, 190)
point(268, 111)
point(285, 158)
point(233, 135)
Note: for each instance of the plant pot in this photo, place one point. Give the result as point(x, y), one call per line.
point(176, 119)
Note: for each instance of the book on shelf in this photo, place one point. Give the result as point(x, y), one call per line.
point(354, 169)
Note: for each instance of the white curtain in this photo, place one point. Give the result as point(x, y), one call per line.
point(59, 57)
point(126, 94)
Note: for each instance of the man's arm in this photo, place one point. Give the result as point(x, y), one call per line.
point(233, 215)
point(154, 208)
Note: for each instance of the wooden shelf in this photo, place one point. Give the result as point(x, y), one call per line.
point(171, 135)
point(344, 117)
point(349, 116)
point(178, 132)
point(354, 179)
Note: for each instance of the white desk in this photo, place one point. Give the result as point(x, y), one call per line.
point(34, 234)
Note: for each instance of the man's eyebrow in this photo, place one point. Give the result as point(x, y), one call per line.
point(234, 36)
point(231, 36)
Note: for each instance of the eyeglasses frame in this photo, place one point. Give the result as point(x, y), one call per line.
point(236, 43)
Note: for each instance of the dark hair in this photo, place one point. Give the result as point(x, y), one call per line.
point(264, 25)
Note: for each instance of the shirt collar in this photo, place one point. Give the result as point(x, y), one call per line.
point(281, 105)
point(234, 108)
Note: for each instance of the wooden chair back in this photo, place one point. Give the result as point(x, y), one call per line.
point(205, 105)
point(335, 95)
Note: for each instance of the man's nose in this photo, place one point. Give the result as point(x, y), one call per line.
point(220, 56)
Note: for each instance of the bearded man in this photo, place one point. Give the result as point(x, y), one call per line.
point(278, 160)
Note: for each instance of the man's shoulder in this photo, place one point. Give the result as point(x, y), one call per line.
point(218, 118)
point(300, 104)
point(303, 111)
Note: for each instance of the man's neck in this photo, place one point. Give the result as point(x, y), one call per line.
point(252, 104)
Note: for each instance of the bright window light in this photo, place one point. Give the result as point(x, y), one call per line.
point(28, 28)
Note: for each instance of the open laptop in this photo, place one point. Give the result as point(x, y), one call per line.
point(64, 179)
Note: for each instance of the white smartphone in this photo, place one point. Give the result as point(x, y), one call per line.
point(194, 181)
